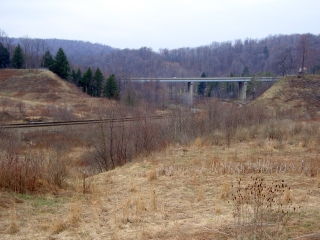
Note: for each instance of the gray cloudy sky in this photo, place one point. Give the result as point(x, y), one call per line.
point(158, 23)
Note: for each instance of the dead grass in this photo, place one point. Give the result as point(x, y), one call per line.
point(182, 192)
point(190, 202)
point(28, 94)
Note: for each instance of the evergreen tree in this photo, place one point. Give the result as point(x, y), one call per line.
point(266, 52)
point(86, 80)
point(111, 89)
point(97, 83)
point(202, 86)
point(18, 57)
point(73, 75)
point(47, 60)
point(245, 72)
point(4, 56)
point(78, 77)
point(61, 65)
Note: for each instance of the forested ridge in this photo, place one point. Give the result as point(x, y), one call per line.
point(276, 55)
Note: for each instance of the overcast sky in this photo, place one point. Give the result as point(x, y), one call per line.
point(158, 23)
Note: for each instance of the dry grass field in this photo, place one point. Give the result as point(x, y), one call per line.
point(265, 184)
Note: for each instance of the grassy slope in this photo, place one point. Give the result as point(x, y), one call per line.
point(294, 96)
point(34, 93)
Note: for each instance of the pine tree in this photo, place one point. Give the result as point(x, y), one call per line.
point(73, 75)
point(111, 89)
point(202, 86)
point(266, 52)
point(78, 77)
point(97, 83)
point(85, 81)
point(61, 65)
point(4, 56)
point(18, 57)
point(47, 60)
point(245, 72)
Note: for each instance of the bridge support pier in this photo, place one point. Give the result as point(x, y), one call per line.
point(242, 90)
point(190, 93)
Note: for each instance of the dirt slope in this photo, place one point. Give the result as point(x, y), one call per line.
point(298, 97)
point(27, 94)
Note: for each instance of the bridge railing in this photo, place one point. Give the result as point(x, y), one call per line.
point(214, 79)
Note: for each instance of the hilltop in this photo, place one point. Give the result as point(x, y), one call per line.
point(294, 96)
point(41, 94)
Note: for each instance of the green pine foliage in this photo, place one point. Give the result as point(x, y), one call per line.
point(97, 83)
point(86, 80)
point(61, 65)
point(4, 56)
point(202, 86)
point(76, 77)
point(245, 72)
point(78, 74)
point(111, 89)
point(47, 60)
point(18, 57)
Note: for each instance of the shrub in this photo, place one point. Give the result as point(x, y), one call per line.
point(261, 210)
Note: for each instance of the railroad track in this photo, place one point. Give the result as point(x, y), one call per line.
point(71, 123)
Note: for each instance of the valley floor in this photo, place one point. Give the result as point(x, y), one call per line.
point(180, 193)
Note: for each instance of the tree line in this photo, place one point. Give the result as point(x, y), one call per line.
point(91, 83)
point(273, 55)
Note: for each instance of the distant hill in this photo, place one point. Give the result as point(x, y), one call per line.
point(41, 94)
point(78, 52)
point(274, 55)
point(298, 97)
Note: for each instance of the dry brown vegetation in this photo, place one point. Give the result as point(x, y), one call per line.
point(223, 173)
point(30, 95)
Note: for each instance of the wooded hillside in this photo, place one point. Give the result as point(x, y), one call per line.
point(273, 55)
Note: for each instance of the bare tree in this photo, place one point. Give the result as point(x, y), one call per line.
point(284, 61)
point(304, 50)
point(6, 41)
point(27, 49)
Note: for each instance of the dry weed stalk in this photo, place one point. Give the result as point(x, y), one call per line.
point(132, 187)
point(225, 191)
point(200, 193)
point(153, 201)
point(58, 227)
point(194, 178)
point(140, 205)
point(152, 175)
point(74, 212)
point(286, 198)
point(261, 210)
point(13, 226)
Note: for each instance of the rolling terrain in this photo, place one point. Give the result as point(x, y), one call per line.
point(257, 180)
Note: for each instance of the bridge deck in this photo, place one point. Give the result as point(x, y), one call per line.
point(214, 79)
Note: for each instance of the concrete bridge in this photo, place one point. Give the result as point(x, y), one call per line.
point(242, 82)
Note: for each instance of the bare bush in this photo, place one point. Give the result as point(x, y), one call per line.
point(111, 142)
point(261, 210)
point(57, 168)
point(22, 173)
